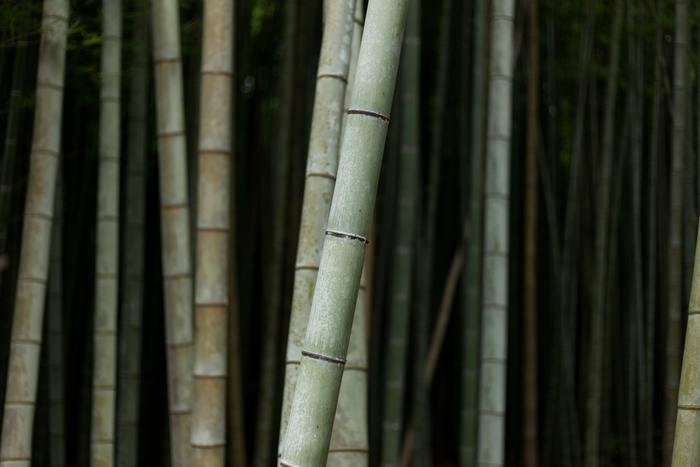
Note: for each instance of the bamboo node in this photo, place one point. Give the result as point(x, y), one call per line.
point(325, 358)
point(368, 113)
point(347, 236)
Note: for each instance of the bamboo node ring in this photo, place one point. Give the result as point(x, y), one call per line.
point(348, 236)
point(325, 358)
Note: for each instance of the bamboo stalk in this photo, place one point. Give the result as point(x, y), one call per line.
point(335, 296)
point(213, 226)
point(133, 262)
point(494, 329)
point(25, 342)
point(471, 312)
point(322, 163)
point(175, 224)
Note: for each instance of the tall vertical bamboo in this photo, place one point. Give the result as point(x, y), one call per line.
point(330, 321)
point(213, 214)
point(321, 168)
point(675, 265)
point(603, 201)
point(531, 454)
point(56, 370)
point(492, 393)
point(401, 298)
point(107, 262)
point(175, 223)
point(471, 280)
point(686, 449)
point(274, 253)
point(25, 341)
point(133, 262)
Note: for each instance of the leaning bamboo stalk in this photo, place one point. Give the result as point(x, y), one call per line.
point(25, 341)
point(212, 264)
point(56, 370)
point(686, 449)
point(175, 223)
point(350, 438)
point(330, 321)
point(492, 393)
point(133, 262)
point(674, 277)
point(321, 168)
point(107, 262)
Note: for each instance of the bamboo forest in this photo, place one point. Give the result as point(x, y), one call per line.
point(349, 233)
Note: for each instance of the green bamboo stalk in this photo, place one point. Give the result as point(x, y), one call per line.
point(330, 321)
point(686, 448)
point(322, 163)
point(213, 226)
point(175, 224)
point(403, 251)
point(56, 367)
point(107, 262)
point(492, 393)
point(267, 409)
point(471, 285)
point(675, 283)
point(350, 438)
point(25, 341)
point(133, 262)
point(599, 303)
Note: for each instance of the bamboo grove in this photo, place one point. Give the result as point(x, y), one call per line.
point(350, 233)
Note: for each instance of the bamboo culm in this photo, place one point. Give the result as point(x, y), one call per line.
point(104, 376)
point(330, 321)
point(321, 168)
point(133, 263)
point(175, 224)
point(471, 295)
point(25, 341)
point(213, 226)
point(494, 330)
point(675, 264)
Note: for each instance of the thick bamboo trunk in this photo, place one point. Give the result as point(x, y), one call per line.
point(494, 329)
point(686, 448)
point(594, 394)
point(471, 280)
point(322, 163)
point(330, 321)
point(25, 342)
point(531, 441)
point(268, 408)
point(675, 283)
point(56, 370)
point(213, 214)
point(104, 374)
point(133, 262)
point(175, 224)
